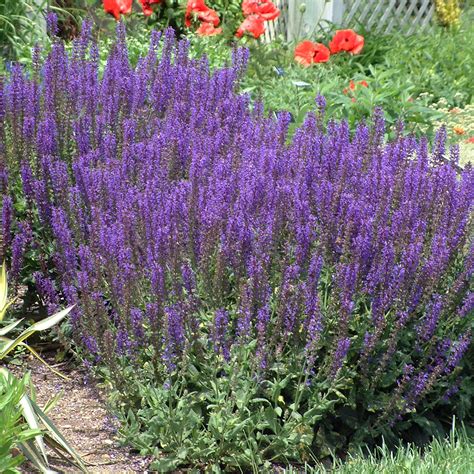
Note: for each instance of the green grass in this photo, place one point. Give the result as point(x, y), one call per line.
point(454, 455)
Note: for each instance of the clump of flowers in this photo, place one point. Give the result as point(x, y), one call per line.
point(352, 88)
point(308, 53)
point(346, 40)
point(186, 225)
point(255, 13)
point(448, 12)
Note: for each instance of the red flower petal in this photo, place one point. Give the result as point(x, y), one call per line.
point(321, 53)
point(266, 9)
point(307, 53)
point(201, 11)
point(117, 7)
point(208, 29)
point(253, 24)
point(146, 6)
point(346, 40)
point(358, 45)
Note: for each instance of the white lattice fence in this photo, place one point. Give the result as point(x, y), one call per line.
point(278, 27)
point(383, 16)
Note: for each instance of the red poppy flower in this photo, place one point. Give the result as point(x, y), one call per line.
point(266, 9)
point(253, 24)
point(201, 11)
point(470, 140)
point(146, 6)
point(208, 29)
point(117, 7)
point(352, 85)
point(364, 83)
point(346, 40)
point(307, 53)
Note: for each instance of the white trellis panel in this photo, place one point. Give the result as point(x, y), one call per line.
point(383, 16)
point(278, 27)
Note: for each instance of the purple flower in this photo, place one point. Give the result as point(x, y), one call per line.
point(156, 194)
point(52, 23)
point(47, 291)
point(7, 213)
point(19, 245)
point(220, 335)
point(136, 319)
point(339, 355)
point(175, 336)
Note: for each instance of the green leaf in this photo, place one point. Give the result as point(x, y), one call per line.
point(47, 323)
point(30, 451)
point(5, 330)
point(30, 416)
point(271, 419)
point(57, 436)
point(165, 464)
point(3, 290)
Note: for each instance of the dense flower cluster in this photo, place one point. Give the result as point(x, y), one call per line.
point(167, 197)
point(448, 12)
point(308, 53)
point(255, 13)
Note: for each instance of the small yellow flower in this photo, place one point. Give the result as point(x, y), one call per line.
point(281, 399)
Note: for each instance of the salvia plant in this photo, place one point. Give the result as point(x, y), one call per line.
point(252, 298)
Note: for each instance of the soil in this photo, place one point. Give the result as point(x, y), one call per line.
point(81, 416)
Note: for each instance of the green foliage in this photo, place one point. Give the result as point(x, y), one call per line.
point(13, 429)
point(215, 414)
point(21, 23)
point(454, 454)
point(17, 408)
point(26, 426)
point(398, 70)
point(8, 345)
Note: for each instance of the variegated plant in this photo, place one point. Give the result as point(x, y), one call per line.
point(34, 448)
point(7, 345)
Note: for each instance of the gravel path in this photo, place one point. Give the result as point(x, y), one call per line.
point(82, 418)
